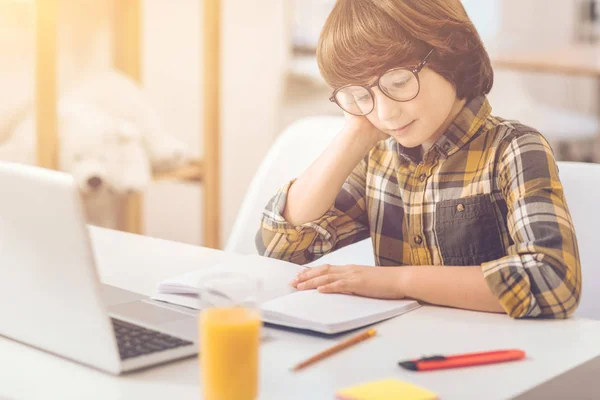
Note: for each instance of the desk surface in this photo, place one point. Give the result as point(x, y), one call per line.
point(582, 60)
point(137, 263)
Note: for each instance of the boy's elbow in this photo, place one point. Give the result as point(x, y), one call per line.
point(567, 304)
point(560, 303)
point(268, 244)
point(524, 310)
point(550, 289)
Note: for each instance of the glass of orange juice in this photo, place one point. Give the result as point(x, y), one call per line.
point(230, 324)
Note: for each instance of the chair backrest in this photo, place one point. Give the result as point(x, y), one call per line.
point(293, 151)
point(581, 182)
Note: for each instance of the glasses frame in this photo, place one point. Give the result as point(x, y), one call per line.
point(414, 70)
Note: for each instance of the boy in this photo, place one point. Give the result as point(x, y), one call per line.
point(464, 209)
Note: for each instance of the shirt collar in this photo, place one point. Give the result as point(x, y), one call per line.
point(466, 124)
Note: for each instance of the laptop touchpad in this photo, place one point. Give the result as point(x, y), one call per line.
point(146, 313)
point(112, 295)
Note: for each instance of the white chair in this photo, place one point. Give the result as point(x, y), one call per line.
point(293, 151)
point(581, 182)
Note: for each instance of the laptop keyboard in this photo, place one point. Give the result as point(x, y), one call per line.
point(135, 341)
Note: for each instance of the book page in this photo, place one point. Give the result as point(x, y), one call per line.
point(332, 309)
point(274, 275)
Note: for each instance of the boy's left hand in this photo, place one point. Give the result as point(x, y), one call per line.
point(377, 282)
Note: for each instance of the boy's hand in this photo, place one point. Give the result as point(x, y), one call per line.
point(363, 129)
point(377, 282)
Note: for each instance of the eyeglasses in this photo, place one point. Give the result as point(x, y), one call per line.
point(399, 84)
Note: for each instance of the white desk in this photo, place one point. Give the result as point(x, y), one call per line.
point(137, 263)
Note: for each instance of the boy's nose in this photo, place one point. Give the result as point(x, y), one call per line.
point(386, 108)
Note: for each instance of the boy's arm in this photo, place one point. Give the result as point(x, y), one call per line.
point(324, 209)
point(345, 222)
point(459, 287)
point(541, 275)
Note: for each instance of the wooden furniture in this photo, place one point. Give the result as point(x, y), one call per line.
point(45, 83)
point(211, 99)
point(578, 60)
point(127, 57)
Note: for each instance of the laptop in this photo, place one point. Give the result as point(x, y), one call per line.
point(50, 294)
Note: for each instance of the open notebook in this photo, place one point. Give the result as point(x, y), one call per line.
point(283, 305)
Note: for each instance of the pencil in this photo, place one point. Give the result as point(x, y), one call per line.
point(338, 347)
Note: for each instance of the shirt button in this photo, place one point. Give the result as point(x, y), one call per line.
point(460, 208)
point(447, 146)
point(418, 239)
point(422, 177)
point(292, 237)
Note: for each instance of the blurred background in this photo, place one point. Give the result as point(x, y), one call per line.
point(114, 92)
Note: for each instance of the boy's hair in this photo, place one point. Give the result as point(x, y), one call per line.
point(361, 39)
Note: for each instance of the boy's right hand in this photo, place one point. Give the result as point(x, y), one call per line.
point(362, 129)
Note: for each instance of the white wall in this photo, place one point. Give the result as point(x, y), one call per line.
point(254, 38)
point(256, 50)
point(171, 72)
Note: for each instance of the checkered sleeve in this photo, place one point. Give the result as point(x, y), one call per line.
point(343, 224)
point(541, 275)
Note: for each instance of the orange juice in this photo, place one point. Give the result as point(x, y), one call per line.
point(229, 340)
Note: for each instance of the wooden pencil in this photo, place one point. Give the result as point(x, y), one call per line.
point(335, 349)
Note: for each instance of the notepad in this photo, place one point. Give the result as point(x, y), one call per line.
point(283, 305)
point(387, 389)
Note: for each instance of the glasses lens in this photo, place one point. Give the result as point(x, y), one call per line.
point(355, 100)
point(400, 84)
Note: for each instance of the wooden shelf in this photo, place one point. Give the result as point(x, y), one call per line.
point(127, 57)
point(576, 60)
point(304, 51)
point(193, 172)
point(46, 86)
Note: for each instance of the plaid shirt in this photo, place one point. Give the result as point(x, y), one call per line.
point(487, 193)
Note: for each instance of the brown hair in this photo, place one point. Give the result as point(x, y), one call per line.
point(361, 39)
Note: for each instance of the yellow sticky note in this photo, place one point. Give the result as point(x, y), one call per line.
point(387, 389)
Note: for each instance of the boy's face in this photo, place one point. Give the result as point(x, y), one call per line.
point(422, 120)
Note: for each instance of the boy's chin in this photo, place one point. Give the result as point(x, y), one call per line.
point(408, 143)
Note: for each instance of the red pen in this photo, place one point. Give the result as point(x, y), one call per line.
point(462, 360)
